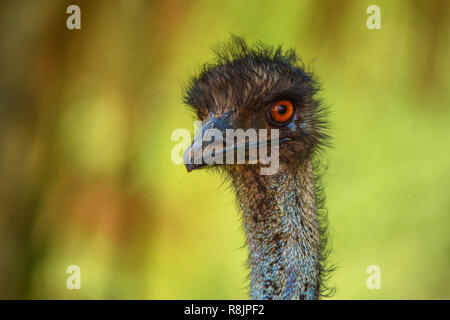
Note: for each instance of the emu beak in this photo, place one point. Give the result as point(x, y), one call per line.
point(193, 156)
point(244, 150)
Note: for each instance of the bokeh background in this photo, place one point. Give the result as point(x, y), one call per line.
point(86, 118)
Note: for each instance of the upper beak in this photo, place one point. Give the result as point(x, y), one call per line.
point(193, 155)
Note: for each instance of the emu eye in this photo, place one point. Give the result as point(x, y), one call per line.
point(281, 111)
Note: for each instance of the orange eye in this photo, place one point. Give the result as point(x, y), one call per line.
point(282, 111)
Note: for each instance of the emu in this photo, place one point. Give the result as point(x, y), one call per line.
point(263, 87)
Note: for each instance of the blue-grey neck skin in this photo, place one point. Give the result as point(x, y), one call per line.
point(280, 219)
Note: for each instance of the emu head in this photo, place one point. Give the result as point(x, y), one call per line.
point(258, 87)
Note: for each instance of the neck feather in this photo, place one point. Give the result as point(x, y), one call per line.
point(282, 229)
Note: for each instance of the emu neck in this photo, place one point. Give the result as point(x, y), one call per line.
point(282, 230)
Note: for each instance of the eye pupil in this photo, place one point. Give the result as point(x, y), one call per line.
point(281, 109)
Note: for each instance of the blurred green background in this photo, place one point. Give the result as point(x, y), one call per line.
point(86, 118)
